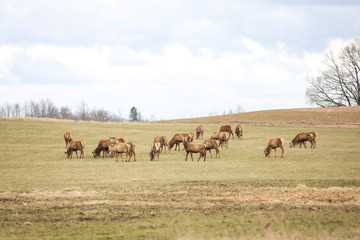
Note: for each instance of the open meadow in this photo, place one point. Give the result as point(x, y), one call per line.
point(308, 194)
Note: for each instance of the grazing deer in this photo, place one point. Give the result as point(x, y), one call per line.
point(239, 131)
point(223, 137)
point(119, 148)
point(103, 146)
point(178, 138)
point(75, 145)
point(273, 144)
point(227, 128)
point(155, 151)
point(302, 137)
point(163, 142)
point(200, 132)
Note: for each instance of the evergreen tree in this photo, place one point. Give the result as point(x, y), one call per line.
point(133, 115)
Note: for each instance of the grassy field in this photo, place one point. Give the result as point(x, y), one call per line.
point(309, 194)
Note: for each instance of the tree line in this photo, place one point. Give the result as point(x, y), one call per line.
point(45, 108)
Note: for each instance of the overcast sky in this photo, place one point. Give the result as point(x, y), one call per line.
point(168, 58)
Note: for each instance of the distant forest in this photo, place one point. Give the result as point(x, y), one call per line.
point(47, 109)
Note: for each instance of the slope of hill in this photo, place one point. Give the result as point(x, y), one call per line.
point(345, 117)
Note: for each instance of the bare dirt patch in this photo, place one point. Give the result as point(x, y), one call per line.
point(301, 195)
point(336, 195)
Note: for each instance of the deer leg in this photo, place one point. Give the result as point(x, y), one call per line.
point(210, 152)
point(217, 153)
point(282, 152)
point(275, 152)
point(202, 154)
point(191, 156)
point(187, 153)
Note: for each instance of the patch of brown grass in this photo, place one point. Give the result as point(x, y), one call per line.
point(344, 117)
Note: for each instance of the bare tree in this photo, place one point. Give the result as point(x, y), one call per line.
point(3, 111)
point(83, 111)
point(65, 113)
point(100, 115)
point(238, 109)
point(16, 110)
point(339, 83)
point(8, 108)
point(48, 109)
point(35, 110)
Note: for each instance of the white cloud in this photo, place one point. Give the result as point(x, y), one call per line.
point(219, 54)
point(181, 81)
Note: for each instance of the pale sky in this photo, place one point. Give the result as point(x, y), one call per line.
point(168, 58)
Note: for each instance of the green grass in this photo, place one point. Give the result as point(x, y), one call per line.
point(311, 193)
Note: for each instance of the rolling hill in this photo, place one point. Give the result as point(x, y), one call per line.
point(344, 117)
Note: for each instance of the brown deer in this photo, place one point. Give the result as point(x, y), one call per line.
point(119, 148)
point(200, 132)
point(155, 151)
point(103, 146)
point(223, 137)
point(75, 145)
point(178, 138)
point(163, 142)
point(227, 128)
point(273, 144)
point(212, 144)
point(131, 146)
point(67, 138)
point(194, 148)
point(120, 140)
point(191, 136)
point(239, 131)
point(302, 137)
